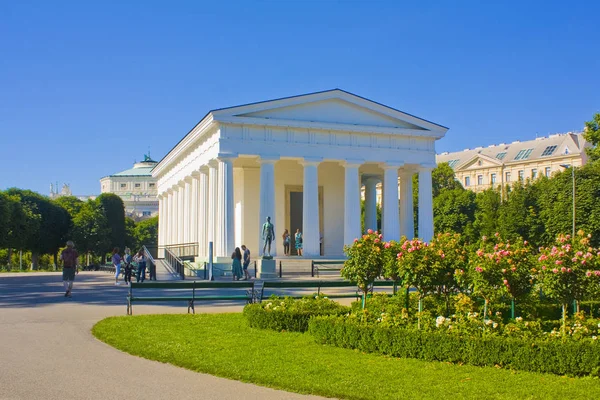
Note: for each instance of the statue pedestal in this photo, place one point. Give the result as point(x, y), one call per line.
point(266, 269)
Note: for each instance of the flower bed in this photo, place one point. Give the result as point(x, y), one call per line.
point(288, 314)
point(571, 357)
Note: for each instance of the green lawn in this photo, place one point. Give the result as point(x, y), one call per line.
point(224, 345)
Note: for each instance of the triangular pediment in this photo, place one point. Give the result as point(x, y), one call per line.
point(329, 110)
point(332, 111)
point(479, 161)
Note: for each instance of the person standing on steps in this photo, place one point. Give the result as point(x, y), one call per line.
point(69, 257)
point(246, 262)
point(116, 260)
point(286, 243)
point(298, 241)
point(236, 264)
point(140, 259)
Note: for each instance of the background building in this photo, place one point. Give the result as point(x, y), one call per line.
point(66, 191)
point(136, 187)
point(483, 167)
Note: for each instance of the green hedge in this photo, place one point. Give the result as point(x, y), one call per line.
point(574, 358)
point(289, 314)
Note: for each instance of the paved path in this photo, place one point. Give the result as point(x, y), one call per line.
point(48, 352)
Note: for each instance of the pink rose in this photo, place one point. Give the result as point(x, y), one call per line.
point(544, 267)
point(355, 240)
point(568, 270)
point(387, 245)
point(399, 255)
point(380, 236)
point(503, 270)
point(558, 262)
point(478, 269)
point(588, 273)
point(563, 269)
point(513, 269)
point(505, 282)
point(555, 271)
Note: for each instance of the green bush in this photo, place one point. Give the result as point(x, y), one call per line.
point(575, 358)
point(288, 314)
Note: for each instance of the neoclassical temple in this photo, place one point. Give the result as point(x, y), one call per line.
point(301, 160)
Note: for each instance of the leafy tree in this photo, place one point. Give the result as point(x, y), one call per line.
point(519, 215)
point(130, 237)
point(91, 232)
point(5, 218)
point(114, 211)
point(365, 261)
point(146, 232)
point(487, 210)
point(454, 211)
point(70, 203)
point(592, 135)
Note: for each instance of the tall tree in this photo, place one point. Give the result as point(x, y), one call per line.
point(146, 232)
point(519, 215)
point(592, 134)
point(91, 232)
point(487, 210)
point(454, 211)
point(5, 218)
point(114, 211)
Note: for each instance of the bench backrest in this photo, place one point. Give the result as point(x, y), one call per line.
point(192, 285)
point(308, 284)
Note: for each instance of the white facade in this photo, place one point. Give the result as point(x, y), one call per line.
point(136, 187)
point(302, 161)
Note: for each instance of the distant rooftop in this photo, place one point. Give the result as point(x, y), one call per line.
point(543, 147)
point(142, 168)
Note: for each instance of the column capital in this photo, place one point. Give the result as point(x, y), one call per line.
point(408, 171)
point(311, 161)
point(268, 159)
point(175, 188)
point(427, 166)
point(352, 162)
point(392, 165)
point(196, 173)
point(370, 179)
point(169, 191)
point(188, 179)
point(227, 157)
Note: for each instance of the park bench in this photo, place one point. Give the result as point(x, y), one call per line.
point(318, 285)
point(189, 292)
point(325, 265)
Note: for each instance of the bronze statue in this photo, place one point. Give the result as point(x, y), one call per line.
point(268, 233)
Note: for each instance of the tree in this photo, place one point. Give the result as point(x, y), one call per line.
point(592, 134)
point(70, 203)
point(146, 232)
point(5, 218)
point(487, 210)
point(114, 211)
point(454, 211)
point(91, 232)
point(519, 215)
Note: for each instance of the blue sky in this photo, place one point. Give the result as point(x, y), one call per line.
point(86, 88)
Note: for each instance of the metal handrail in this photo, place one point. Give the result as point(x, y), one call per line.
point(151, 264)
point(182, 249)
point(175, 262)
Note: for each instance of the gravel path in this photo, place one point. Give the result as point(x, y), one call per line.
point(48, 352)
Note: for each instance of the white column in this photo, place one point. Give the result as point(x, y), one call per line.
point(168, 217)
point(407, 221)
point(213, 184)
point(226, 231)
point(194, 200)
point(203, 215)
point(351, 201)
point(391, 220)
point(267, 200)
point(371, 203)
point(425, 203)
point(175, 213)
point(161, 224)
point(180, 215)
point(187, 189)
point(310, 209)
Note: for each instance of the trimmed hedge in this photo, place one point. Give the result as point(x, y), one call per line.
point(292, 315)
point(574, 358)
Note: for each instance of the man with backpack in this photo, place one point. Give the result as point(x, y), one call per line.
point(69, 257)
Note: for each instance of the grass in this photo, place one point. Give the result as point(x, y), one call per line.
point(224, 345)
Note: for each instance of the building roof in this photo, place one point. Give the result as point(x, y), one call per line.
point(559, 144)
point(142, 168)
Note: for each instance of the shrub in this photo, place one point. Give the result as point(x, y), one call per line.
point(288, 314)
point(575, 358)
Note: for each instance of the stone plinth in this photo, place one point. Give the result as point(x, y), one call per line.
point(266, 269)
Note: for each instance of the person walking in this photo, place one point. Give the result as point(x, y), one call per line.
point(236, 265)
point(286, 242)
point(246, 262)
point(140, 259)
point(69, 257)
point(128, 267)
point(298, 240)
point(116, 260)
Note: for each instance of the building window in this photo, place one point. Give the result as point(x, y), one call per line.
point(123, 185)
point(467, 181)
point(523, 154)
point(493, 179)
point(137, 185)
point(521, 175)
point(480, 179)
point(549, 150)
point(151, 185)
point(507, 177)
point(547, 171)
point(452, 163)
point(500, 156)
point(146, 213)
point(534, 173)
